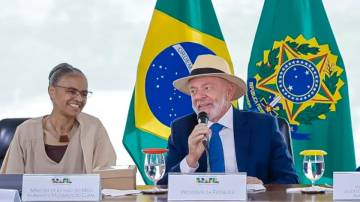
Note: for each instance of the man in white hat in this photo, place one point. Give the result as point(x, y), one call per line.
point(237, 141)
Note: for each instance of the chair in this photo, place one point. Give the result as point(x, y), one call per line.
point(7, 131)
point(285, 132)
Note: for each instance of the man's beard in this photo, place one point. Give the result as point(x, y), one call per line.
point(219, 109)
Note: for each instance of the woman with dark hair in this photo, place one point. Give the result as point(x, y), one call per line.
point(65, 141)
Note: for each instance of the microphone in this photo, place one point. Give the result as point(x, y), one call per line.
point(203, 118)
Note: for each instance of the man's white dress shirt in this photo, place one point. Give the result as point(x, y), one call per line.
point(227, 139)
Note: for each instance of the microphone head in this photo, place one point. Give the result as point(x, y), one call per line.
point(202, 117)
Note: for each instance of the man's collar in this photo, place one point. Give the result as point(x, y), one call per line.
point(226, 120)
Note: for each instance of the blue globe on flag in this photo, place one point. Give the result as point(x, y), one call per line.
point(174, 62)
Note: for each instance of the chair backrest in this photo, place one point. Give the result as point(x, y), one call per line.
point(11, 181)
point(285, 132)
point(7, 131)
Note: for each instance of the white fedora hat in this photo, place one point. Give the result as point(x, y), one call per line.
point(211, 65)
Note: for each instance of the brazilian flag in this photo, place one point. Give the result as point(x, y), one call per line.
point(296, 72)
point(180, 30)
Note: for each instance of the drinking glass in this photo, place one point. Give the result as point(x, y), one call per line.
point(154, 164)
point(313, 164)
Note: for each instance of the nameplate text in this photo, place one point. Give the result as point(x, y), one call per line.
point(207, 186)
point(61, 187)
point(346, 186)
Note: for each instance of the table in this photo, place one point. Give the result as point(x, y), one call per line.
point(273, 193)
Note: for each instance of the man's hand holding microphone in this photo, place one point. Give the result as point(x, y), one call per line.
point(198, 140)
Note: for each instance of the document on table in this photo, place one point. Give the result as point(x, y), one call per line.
point(116, 192)
point(309, 189)
point(255, 188)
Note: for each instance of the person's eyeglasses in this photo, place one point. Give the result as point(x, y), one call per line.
point(75, 92)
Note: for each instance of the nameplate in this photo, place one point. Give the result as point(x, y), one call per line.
point(9, 195)
point(61, 187)
point(207, 186)
point(346, 186)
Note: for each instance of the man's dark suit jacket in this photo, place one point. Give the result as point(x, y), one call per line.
point(259, 148)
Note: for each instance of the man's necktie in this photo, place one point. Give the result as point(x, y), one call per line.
point(216, 152)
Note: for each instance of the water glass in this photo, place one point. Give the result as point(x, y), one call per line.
point(154, 164)
point(313, 164)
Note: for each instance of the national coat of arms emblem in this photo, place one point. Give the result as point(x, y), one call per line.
point(297, 79)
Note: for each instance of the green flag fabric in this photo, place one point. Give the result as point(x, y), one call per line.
point(179, 31)
point(296, 72)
